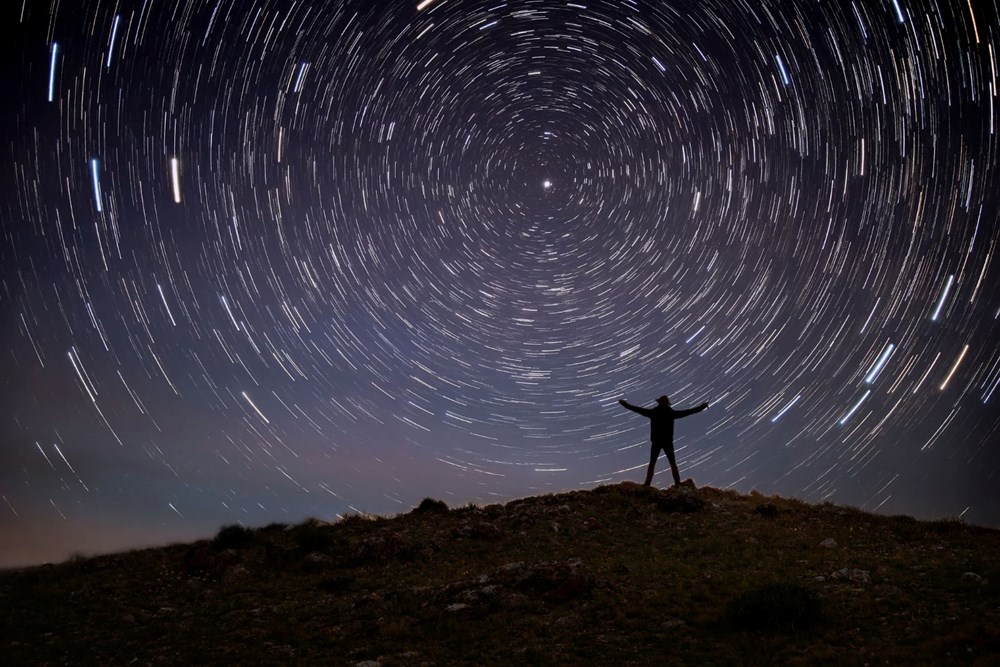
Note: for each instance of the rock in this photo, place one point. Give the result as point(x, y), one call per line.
point(681, 499)
point(972, 577)
point(202, 560)
point(860, 577)
point(368, 663)
point(819, 579)
point(557, 580)
point(672, 623)
point(479, 530)
point(829, 543)
point(853, 575)
point(565, 621)
point(384, 547)
point(767, 510)
point(316, 558)
point(457, 606)
point(889, 590)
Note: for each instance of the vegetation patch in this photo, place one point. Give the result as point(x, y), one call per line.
point(606, 576)
point(431, 506)
point(233, 537)
point(775, 606)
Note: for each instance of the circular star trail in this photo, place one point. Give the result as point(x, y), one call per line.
point(266, 260)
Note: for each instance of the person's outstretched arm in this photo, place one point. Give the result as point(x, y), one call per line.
point(690, 411)
point(635, 408)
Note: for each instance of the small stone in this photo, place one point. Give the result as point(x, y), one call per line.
point(316, 558)
point(458, 606)
point(238, 572)
point(972, 577)
point(860, 577)
point(672, 623)
point(819, 579)
point(889, 590)
point(368, 663)
point(829, 543)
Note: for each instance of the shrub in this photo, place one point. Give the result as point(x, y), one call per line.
point(233, 537)
point(315, 536)
point(775, 606)
point(274, 527)
point(767, 510)
point(337, 584)
point(431, 506)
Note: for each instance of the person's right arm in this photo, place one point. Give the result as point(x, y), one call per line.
point(634, 408)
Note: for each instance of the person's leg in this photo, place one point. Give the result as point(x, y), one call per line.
point(673, 464)
point(654, 453)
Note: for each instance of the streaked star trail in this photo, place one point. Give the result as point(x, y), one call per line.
point(269, 260)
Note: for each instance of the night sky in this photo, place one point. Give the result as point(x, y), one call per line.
point(268, 260)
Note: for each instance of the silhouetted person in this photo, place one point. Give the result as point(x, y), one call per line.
point(661, 432)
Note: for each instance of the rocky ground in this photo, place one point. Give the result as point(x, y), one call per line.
point(620, 574)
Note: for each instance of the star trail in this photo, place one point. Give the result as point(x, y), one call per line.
point(270, 260)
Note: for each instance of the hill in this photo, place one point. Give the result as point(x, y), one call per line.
point(619, 574)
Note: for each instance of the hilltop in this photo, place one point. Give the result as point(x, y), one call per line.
point(619, 574)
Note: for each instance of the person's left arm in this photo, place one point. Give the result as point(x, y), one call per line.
point(690, 411)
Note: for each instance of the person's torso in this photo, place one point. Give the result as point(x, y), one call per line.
point(661, 423)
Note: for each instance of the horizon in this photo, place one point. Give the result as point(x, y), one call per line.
point(308, 261)
point(202, 535)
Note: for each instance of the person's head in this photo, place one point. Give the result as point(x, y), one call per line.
point(663, 400)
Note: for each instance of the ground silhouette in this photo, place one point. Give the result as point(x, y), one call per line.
point(621, 574)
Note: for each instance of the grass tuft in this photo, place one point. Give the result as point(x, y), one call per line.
point(233, 537)
point(430, 505)
point(775, 606)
